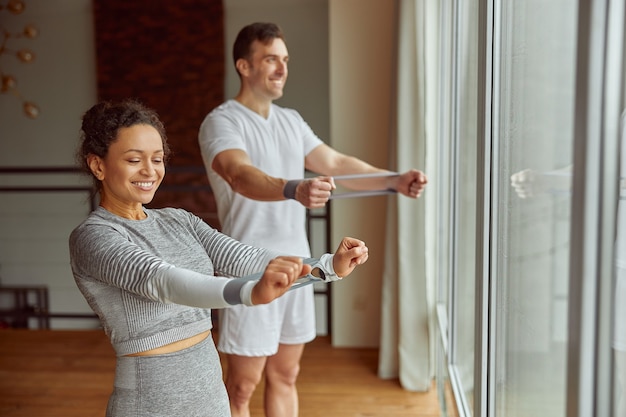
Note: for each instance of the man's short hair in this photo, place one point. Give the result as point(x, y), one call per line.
point(259, 31)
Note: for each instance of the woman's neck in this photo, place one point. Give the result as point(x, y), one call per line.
point(131, 212)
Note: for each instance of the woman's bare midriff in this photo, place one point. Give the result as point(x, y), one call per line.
point(174, 347)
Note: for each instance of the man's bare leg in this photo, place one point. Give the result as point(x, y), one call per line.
point(243, 374)
point(281, 372)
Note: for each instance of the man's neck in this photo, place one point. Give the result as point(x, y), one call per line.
point(262, 107)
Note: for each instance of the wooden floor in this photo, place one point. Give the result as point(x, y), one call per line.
point(54, 373)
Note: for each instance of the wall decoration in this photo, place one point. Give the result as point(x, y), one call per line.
point(8, 83)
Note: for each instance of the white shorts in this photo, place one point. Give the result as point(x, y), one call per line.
point(258, 330)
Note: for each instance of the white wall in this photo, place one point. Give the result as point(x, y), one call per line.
point(361, 52)
point(34, 227)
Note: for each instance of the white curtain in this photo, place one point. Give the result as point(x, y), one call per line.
point(408, 298)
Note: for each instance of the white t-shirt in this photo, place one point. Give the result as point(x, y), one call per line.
point(276, 145)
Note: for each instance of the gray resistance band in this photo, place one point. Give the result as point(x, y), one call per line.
point(357, 194)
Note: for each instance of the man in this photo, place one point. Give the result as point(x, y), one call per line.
point(256, 153)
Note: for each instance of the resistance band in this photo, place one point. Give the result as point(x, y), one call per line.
point(369, 193)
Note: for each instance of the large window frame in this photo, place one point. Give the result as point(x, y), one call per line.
point(595, 193)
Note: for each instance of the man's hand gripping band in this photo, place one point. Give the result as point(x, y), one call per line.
point(289, 191)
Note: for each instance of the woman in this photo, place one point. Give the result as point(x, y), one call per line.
point(153, 275)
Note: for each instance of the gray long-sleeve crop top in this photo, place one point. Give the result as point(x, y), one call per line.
point(153, 281)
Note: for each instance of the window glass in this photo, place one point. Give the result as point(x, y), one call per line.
point(534, 136)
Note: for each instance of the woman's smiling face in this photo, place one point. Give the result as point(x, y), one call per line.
point(133, 168)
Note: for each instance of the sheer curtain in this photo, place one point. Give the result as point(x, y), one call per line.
point(408, 299)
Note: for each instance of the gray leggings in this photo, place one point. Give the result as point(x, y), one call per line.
point(187, 383)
